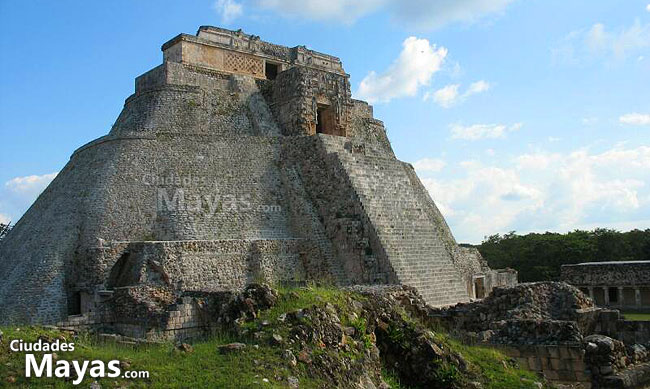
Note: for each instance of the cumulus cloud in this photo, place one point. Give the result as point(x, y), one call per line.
point(17, 194)
point(647, 7)
point(547, 191)
point(413, 68)
point(635, 119)
point(477, 87)
point(229, 10)
point(29, 184)
point(429, 165)
point(482, 131)
point(449, 95)
point(446, 96)
point(422, 14)
point(325, 10)
point(4, 219)
point(599, 42)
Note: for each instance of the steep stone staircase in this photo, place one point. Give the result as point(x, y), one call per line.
point(412, 242)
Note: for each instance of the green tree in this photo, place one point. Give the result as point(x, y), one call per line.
point(539, 257)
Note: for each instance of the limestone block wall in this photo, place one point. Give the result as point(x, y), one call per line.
point(365, 128)
point(341, 220)
point(608, 273)
point(560, 364)
point(36, 257)
point(194, 265)
point(405, 243)
point(297, 93)
point(240, 53)
point(610, 322)
point(320, 260)
point(622, 285)
point(198, 52)
point(173, 73)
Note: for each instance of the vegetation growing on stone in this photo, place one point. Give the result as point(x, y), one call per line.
point(313, 336)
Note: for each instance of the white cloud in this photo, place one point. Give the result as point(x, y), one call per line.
point(477, 87)
point(647, 7)
point(229, 10)
point(546, 191)
point(598, 42)
point(449, 95)
point(4, 219)
point(429, 165)
point(446, 96)
point(29, 184)
point(482, 131)
point(346, 11)
point(17, 194)
point(427, 14)
point(414, 68)
point(422, 14)
point(635, 119)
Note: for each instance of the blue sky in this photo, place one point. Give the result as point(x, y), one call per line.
point(518, 115)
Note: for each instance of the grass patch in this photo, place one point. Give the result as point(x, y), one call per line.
point(494, 367)
point(167, 367)
point(292, 299)
point(391, 379)
point(636, 316)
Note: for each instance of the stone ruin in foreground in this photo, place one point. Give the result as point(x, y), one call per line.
point(234, 161)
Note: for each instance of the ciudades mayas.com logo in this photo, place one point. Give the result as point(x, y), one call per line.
point(49, 366)
point(196, 195)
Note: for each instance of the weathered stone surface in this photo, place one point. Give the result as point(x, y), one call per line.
point(217, 175)
point(533, 313)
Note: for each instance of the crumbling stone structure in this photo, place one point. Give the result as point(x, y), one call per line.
point(234, 161)
point(555, 329)
point(622, 285)
point(479, 279)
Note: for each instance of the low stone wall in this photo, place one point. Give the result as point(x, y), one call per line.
point(186, 319)
point(630, 332)
point(135, 312)
point(560, 364)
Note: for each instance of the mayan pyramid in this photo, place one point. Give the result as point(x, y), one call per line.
point(234, 161)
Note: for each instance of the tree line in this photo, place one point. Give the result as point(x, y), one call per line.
point(538, 257)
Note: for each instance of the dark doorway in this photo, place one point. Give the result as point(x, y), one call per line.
point(325, 120)
point(271, 71)
point(74, 303)
point(613, 295)
point(479, 288)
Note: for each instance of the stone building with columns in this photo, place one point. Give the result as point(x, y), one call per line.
point(616, 284)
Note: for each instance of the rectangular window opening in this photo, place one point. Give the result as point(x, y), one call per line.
point(325, 120)
point(613, 295)
point(74, 303)
point(271, 70)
